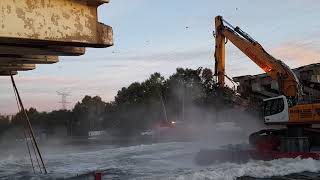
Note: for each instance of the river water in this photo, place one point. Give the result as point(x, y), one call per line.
point(171, 160)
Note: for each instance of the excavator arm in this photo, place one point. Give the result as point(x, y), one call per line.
point(288, 82)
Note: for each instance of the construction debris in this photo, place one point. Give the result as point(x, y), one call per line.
point(261, 86)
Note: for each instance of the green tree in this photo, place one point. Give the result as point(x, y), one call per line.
point(88, 115)
point(4, 123)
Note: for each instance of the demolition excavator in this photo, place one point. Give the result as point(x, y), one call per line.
point(290, 110)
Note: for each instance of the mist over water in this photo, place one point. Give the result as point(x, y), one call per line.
point(65, 159)
point(169, 153)
point(174, 160)
point(171, 160)
point(201, 128)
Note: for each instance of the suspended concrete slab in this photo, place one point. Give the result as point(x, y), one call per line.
point(53, 22)
point(20, 59)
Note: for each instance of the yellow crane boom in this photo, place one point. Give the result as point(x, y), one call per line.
point(288, 82)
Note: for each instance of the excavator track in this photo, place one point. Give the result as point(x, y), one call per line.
point(289, 142)
point(269, 144)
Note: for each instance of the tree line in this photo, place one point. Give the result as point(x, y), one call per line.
point(135, 108)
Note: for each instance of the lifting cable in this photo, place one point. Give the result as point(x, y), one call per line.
point(25, 136)
point(35, 154)
point(24, 131)
point(34, 144)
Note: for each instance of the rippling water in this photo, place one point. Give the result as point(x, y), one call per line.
point(173, 160)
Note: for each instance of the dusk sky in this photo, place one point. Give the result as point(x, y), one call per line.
point(151, 36)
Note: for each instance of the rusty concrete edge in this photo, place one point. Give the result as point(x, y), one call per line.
point(20, 59)
point(94, 2)
point(101, 43)
point(8, 73)
point(26, 62)
point(13, 50)
point(105, 33)
point(20, 56)
point(18, 67)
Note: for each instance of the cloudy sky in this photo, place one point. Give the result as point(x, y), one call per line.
point(151, 36)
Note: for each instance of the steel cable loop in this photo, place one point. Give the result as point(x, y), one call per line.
point(25, 136)
point(34, 150)
point(29, 125)
point(24, 132)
